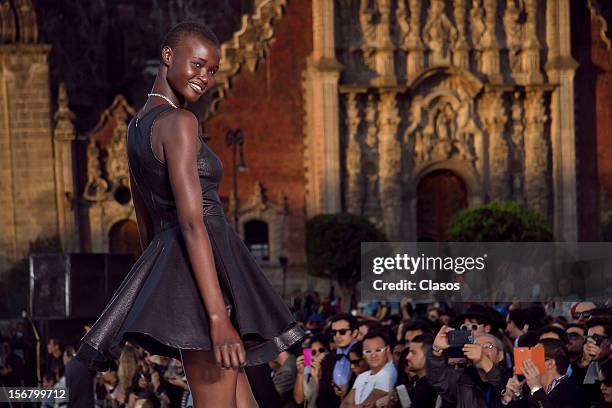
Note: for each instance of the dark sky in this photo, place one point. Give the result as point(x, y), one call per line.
point(105, 47)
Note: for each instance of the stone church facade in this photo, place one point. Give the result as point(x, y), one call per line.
point(404, 111)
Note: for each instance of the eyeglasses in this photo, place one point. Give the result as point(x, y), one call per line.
point(574, 336)
point(586, 315)
point(489, 346)
point(315, 351)
point(470, 326)
point(367, 352)
point(356, 362)
point(341, 332)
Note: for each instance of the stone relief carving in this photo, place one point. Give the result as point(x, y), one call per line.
point(494, 118)
point(96, 188)
point(537, 152)
point(439, 34)
point(354, 183)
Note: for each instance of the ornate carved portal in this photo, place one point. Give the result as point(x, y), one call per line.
point(454, 85)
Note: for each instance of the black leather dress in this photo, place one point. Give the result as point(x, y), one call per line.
point(158, 305)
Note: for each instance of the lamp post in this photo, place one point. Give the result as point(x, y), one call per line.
point(283, 260)
point(234, 138)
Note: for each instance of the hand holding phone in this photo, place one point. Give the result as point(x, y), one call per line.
point(404, 398)
point(307, 353)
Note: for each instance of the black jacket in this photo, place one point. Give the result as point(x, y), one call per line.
point(327, 398)
point(462, 387)
point(565, 395)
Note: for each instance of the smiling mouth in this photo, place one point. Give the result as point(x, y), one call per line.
point(197, 87)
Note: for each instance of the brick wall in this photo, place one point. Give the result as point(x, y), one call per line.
point(268, 106)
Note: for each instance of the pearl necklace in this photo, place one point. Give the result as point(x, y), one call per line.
point(164, 97)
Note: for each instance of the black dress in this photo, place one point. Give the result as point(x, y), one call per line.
point(158, 305)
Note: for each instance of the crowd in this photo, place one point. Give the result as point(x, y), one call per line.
point(392, 355)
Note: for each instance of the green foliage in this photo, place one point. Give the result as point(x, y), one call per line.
point(500, 221)
point(333, 245)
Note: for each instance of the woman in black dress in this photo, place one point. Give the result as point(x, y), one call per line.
point(196, 293)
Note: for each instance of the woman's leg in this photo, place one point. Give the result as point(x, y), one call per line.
point(244, 395)
point(210, 385)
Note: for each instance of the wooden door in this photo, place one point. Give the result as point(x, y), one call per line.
point(440, 195)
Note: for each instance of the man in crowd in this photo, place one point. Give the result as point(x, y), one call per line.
point(576, 336)
point(55, 363)
point(476, 386)
point(549, 389)
point(583, 312)
point(336, 374)
point(420, 391)
point(375, 383)
point(415, 328)
point(595, 350)
point(516, 324)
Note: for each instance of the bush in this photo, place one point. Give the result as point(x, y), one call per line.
point(500, 222)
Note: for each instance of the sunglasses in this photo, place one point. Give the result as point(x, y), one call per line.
point(341, 332)
point(315, 351)
point(577, 315)
point(356, 362)
point(367, 352)
point(470, 326)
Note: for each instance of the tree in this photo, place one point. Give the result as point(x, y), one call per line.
point(333, 249)
point(500, 221)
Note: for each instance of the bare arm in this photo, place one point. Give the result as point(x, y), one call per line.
point(373, 397)
point(180, 151)
point(349, 400)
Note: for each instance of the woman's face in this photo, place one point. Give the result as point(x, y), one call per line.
point(192, 64)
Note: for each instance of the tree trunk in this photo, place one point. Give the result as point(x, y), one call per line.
point(346, 293)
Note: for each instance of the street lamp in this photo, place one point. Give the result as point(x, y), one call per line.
point(235, 139)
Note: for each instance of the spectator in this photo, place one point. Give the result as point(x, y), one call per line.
point(283, 377)
point(550, 389)
point(358, 363)
point(433, 314)
point(476, 386)
point(596, 349)
point(516, 324)
point(583, 312)
point(55, 363)
point(605, 376)
point(307, 380)
point(336, 374)
point(365, 326)
point(553, 332)
point(79, 382)
point(378, 381)
point(415, 328)
point(576, 337)
point(11, 372)
point(413, 375)
point(397, 352)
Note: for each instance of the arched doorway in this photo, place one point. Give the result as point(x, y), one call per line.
point(123, 238)
point(440, 195)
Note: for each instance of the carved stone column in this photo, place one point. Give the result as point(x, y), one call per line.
point(490, 53)
point(321, 88)
point(536, 152)
point(354, 194)
point(560, 69)
point(461, 49)
point(494, 118)
point(518, 148)
point(371, 206)
point(385, 64)
point(390, 154)
point(530, 56)
point(63, 136)
point(414, 45)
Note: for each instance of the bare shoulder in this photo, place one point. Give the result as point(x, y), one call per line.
point(178, 126)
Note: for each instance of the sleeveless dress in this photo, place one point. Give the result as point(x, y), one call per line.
point(158, 305)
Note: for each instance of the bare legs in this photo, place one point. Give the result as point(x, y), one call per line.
point(213, 386)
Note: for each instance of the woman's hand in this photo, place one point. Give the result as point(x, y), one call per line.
point(228, 349)
point(299, 364)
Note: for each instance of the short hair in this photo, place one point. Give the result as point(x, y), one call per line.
point(69, 350)
point(352, 320)
point(422, 325)
point(186, 28)
point(528, 339)
point(554, 329)
point(555, 350)
point(425, 339)
point(519, 317)
point(606, 368)
point(376, 333)
point(357, 349)
point(321, 338)
point(605, 323)
point(370, 324)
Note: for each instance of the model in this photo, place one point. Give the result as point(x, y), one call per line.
point(196, 293)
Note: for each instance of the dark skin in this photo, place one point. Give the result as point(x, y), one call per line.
point(186, 72)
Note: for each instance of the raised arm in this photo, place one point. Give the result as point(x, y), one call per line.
point(180, 146)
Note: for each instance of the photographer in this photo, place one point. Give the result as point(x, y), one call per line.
point(595, 350)
point(476, 386)
point(549, 389)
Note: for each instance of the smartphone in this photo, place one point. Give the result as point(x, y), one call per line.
point(456, 340)
point(307, 353)
point(404, 398)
